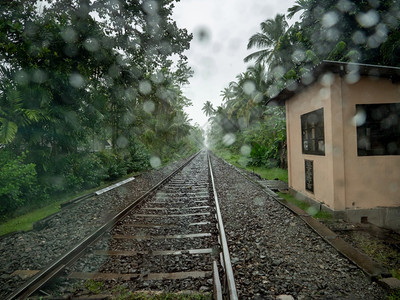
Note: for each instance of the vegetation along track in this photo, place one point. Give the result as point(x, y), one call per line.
point(167, 241)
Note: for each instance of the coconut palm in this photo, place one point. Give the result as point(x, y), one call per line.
point(300, 5)
point(268, 40)
point(208, 109)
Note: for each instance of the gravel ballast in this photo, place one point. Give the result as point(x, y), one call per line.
point(33, 250)
point(274, 253)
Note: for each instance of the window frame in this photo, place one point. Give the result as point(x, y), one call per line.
point(313, 132)
point(373, 139)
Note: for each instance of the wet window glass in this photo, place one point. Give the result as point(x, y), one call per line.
point(379, 132)
point(312, 132)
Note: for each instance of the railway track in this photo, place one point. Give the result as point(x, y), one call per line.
point(171, 239)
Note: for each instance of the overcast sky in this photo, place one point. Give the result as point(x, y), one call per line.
point(221, 30)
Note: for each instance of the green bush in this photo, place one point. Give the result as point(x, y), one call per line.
point(74, 172)
point(139, 156)
point(91, 169)
point(114, 164)
point(18, 183)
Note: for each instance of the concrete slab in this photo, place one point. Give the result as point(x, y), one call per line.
point(390, 283)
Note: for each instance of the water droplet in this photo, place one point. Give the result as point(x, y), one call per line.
point(114, 71)
point(249, 87)
point(91, 44)
point(327, 79)
point(202, 34)
point(245, 150)
point(157, 78)
point(324, 93)
point(360, 118)
point(145, 87)
point(69, 35)
point(278, 72)
point(76, 80)
point(258, 201)
point(39, 76)
point(344, 5)
point(228, 139)
point(312, 210)
point(155, 162)
point(22, 77)
point(330, 19)
point(122, 142)
point(298, 56)
point(150, 7)
point(352, 77)
point(368, 19)
point(149, 106)
point(358, 37)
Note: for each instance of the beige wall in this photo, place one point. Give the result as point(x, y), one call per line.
point(371, 181)
point(309, 100)
point(342, 180)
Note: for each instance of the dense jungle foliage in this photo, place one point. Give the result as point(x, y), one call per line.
point(89, 92)
point(365, 31)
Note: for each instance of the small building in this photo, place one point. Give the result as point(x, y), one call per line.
point(343, 139)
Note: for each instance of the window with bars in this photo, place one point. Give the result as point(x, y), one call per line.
point(312, 131)
point(378, 129)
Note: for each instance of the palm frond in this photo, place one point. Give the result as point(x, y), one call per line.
point(8, 130)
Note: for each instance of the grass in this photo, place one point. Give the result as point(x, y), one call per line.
point(162, 296)
point(394, 296)
point(94, 286)
point(242, 162)
point(271, 174)
point(311, 210)
point(30, 215)
point(25, 222)
point(122, 293)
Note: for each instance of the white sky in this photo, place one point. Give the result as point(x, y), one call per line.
point(226, 26)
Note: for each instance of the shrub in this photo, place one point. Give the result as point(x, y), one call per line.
point(139, 156)
point(18, 183)
point(114, 164)
point(90, 168)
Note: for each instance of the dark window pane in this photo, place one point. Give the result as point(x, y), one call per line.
point(312, 128)
point(378, 129)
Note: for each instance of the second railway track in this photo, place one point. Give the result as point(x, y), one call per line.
point(171, 241)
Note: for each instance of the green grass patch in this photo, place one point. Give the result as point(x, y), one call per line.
point(122, 293)
point(270, 174)
point(311, 210)
point(394, 296)
point(94, 286)
point(242, 162)
point(28, 215)
point(25, 222)
point(162, 296)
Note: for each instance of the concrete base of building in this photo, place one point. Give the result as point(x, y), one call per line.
point(385, 217)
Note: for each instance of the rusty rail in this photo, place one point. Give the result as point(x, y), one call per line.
point(226, 260)
point(57, 266)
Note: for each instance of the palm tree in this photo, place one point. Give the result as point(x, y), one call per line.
point(269, 40)
point(13, 114)
point(208, 109)
point(300, 5)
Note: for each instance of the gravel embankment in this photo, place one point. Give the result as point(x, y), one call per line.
point(33, 250)
point(274, 253)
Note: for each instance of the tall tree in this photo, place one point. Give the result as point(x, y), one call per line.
point(269, 40)
point(208, 108)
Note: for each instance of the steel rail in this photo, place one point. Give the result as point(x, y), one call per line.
point(232, 293)
point(53, 269)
